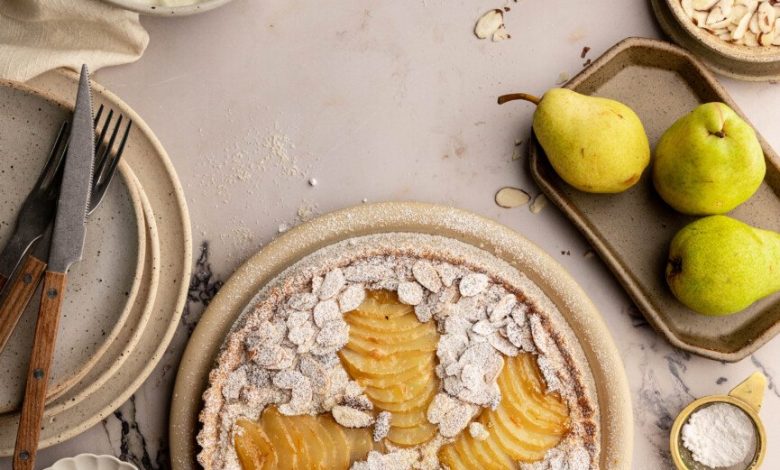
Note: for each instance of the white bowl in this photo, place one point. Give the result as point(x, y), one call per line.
point(156, 7)
point(92, 462)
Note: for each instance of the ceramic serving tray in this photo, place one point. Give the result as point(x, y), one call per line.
point(586, 322)
point(631, 231)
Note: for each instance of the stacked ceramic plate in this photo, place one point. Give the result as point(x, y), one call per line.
point(125, 298)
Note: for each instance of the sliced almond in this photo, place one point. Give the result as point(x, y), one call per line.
point(776, 40)
point(509, 197)
point(700, 18)
point(766, 39)
point(737, 13)
point(704, 5)
point(753, 25)
point(742, 28)
point(766, 17)
point(687, 6)
point(540, 202)
point(501, 34)
point(489, 23)
point(751, 39)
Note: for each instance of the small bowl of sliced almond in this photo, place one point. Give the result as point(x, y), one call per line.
point(737, 38)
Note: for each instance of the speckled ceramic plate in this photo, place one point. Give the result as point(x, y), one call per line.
point(603, 359)
point(161, 188)
point(740, 62)
point(631, 231)
point(102, 288)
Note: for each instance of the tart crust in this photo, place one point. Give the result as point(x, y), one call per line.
point(564, 365)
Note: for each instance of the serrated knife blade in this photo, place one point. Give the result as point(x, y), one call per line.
point(67, 244)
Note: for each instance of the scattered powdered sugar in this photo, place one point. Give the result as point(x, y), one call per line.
point(562, 457)
point(399, 459)
point(719, 435)
point(291, 342)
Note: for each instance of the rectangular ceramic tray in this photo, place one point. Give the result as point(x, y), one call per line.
point(631, 231)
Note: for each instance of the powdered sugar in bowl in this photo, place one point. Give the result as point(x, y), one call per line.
point(722, 431)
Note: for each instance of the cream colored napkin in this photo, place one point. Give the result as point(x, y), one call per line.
point(41, 35)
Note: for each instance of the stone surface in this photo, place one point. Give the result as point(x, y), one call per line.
point(387, 107)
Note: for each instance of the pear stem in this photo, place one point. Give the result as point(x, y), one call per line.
point(519, 96)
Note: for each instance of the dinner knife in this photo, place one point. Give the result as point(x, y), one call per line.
point(67, 246)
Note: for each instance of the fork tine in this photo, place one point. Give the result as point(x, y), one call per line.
point(109, 162)
point(118, 156)
point(97, 116)
point(55, 158)
point(106, 153)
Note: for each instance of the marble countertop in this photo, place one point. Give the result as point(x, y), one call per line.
point(386, 101)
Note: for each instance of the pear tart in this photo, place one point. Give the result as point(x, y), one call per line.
point(400, 351)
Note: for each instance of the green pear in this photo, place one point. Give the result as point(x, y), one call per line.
point(718, 265)
point(708, 162)
point(595, 144)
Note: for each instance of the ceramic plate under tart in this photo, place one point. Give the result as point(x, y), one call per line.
point(159, 183)
point(740, 62)
point(606, 367)
point(632, 230)
point(103, 287)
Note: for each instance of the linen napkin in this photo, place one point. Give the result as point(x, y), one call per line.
point(41, 35)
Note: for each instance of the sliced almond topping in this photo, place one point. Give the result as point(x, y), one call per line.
point(489, 23)
point(509, 197)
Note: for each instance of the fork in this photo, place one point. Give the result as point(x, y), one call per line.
point(25, 281)
point(36, 211)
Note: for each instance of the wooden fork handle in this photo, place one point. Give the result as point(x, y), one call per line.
point(38, 373)
point(20, 291)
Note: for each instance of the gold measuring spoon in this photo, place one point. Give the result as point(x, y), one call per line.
point(747, 396)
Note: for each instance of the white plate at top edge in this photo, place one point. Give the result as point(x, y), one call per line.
point(92, 462)
point(102, 288)
point(168, 8)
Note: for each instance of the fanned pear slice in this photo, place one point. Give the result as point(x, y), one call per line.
point(384, 381)
point(278, 433)
point(378, 324)
point(339, 439)
point(393, 356)
point(374, 346)
point(386, 365)
point(254, 448)
point(527, 423)
point(277, 442)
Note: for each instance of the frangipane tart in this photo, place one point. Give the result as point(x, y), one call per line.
point(400, 351)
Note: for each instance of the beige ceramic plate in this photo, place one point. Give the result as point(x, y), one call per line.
point(740, 62)
point(606, 366)
point(161, 187)
point(102, 288)
point(632, 230)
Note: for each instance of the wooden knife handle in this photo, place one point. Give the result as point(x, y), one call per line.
point(20, 291)
point(38, 373)
point(3, 280)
